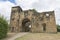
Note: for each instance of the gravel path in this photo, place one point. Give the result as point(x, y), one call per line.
point(16, 36)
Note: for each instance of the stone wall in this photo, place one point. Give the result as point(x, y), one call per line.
point(40, 22)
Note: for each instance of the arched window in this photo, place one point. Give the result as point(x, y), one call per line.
point(47, 16)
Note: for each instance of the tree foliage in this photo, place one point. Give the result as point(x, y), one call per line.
point(3, 27)
point(58, 28)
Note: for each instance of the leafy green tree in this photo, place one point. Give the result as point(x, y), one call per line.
point(58, 28)
point(3, 27)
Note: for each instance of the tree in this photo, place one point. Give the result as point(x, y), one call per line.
point(58, 28)
point(3, 27)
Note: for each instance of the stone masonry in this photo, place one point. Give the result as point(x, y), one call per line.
point(39, 22)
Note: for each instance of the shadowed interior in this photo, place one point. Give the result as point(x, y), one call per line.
point(25, 25)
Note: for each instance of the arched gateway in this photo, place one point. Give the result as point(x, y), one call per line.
point(32, 21)
point(25, 25)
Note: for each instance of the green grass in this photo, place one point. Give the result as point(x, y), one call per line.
point(40, 36)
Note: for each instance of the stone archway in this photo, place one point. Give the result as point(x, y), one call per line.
point(25, 25)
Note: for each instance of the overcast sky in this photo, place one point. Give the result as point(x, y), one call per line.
point(39, 5)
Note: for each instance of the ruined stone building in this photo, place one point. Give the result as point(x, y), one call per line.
point(32, 21)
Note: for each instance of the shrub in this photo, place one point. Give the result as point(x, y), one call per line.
point(58, 28)
point(3, 27)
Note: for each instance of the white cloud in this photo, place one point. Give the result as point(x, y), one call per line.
point(5, 9)
point(57, 14)
point(25, 4)
point(45, 5)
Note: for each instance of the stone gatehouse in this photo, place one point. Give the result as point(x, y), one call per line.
point(32, 21)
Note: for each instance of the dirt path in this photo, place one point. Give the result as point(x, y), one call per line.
point(15, 35)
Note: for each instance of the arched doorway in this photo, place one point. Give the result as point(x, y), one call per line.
point(44, 27)
point(25, 25)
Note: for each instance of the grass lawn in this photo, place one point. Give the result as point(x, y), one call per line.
point(40, 36)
